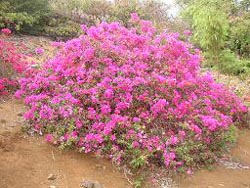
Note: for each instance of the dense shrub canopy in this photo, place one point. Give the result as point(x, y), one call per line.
point(12, 63)
point(29, 16)
point(133, 95)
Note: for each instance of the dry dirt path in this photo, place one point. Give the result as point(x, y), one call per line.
point(26, 162)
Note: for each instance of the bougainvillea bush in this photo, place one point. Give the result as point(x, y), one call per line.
point(134, 95)
point(12, 63)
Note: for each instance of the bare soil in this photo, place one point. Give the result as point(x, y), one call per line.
point(26, 162)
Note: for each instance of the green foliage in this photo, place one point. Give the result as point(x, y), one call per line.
point(230, 64)
point(90, 12)
point(62, 28)
point(244, 5)
point(25, 16)
point(239, 40)
point(138, 162)
point(220, 140)
point(210, 25)
point(11, 19)
point(62, 18)
point(138, 182)
point(221, 29)
point(231, 135)
point(153, 10)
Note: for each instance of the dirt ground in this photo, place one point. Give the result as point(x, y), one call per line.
point(26, 162)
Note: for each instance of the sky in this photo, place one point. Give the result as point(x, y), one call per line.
point(174, 8)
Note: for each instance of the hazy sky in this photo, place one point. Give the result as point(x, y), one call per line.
point(174, 8)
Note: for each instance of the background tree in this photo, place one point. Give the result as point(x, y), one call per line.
point(27, 16)
point(210, 27)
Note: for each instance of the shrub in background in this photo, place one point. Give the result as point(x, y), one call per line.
point(221, 28)
point(62, 28)
point(29, 16)
point(230, 64)
point(210, 27)
point(239, 38)
point(61, 18)
point(12, 63)
point(92, 12)
point(133, 95)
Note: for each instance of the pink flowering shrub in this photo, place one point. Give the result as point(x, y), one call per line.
point(7, 85)
point(6, 31)
point(12, 63)
point(133, 95)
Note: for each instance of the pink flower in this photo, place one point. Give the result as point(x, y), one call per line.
point(189, 171)
point(173, 140)
point(6, 31)
point(135, 144)
point(196, 129)
point(84, 27)
point(39, 51)
point(109, 93)
point(187, 32)
point(78, 124)
point(49, 138)
point(74, 134)
point(113, 137)
point(89, 53)
point(136, 119)
point(135, 17)
point(168, 158)
point(105, 109)
point(159, 106)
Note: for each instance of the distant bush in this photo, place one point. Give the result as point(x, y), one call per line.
point(221, 30)
point(61, 19)
point(69, 14)
point(133, 95)
point(232, 65)
point(210, 27)
point(27, 16)
point(62, 28)
point(239, 38)
point(12, 63)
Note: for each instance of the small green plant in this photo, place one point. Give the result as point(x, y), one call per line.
point(231, 135)
point(138, 182)
point(138, 162)
point(232, 65)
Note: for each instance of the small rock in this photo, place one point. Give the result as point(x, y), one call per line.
point(52, 186)
point(98, 166)
point(90, 184)
point(222, 185)
point(51, 177)
point(3, 121)
point(87, 184)
point(20, 114)
point(97, 185)
point(244, 184)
